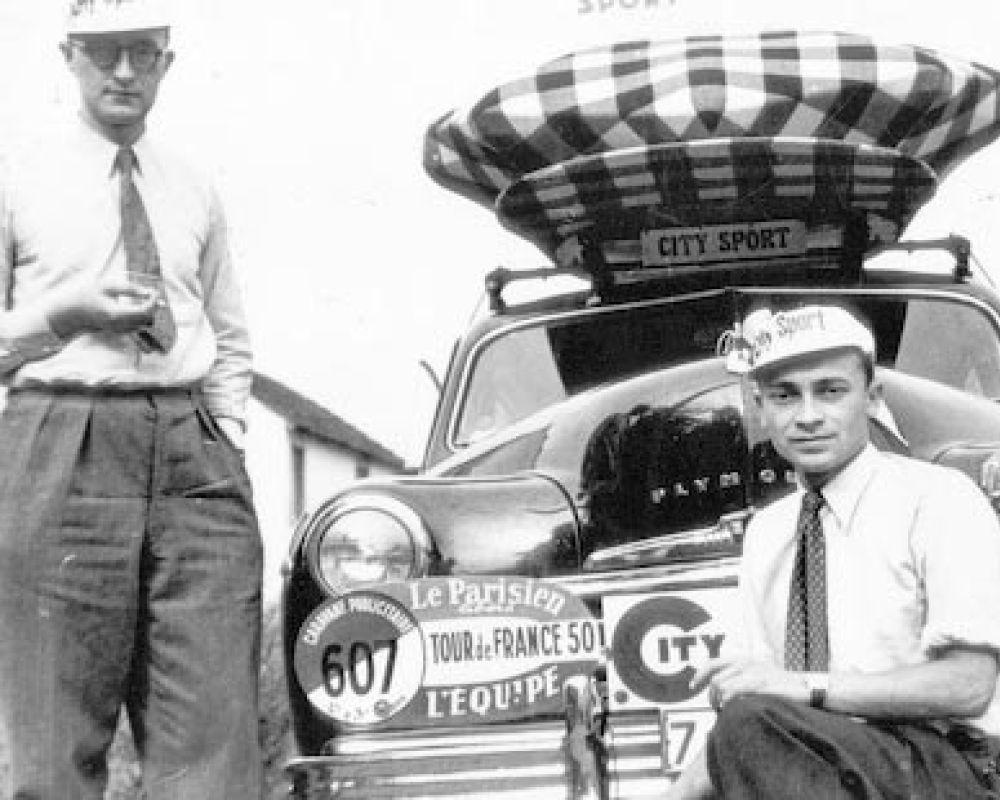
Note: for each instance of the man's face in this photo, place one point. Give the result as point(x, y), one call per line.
point(116, 97)
point(816, 409)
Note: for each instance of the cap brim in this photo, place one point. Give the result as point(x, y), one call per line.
point(793, 358)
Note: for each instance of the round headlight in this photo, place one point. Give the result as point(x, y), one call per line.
point(365, 540)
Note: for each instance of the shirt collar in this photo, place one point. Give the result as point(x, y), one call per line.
point(843, 492)
point(143, 155)
point(101, 150)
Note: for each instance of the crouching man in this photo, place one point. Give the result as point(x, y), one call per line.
point(870, 600)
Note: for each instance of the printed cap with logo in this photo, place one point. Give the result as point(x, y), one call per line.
point(767, 338)
point(115, 16)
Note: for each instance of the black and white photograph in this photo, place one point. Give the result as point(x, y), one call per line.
point(515, 399)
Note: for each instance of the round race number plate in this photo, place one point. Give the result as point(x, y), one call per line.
point(360, 658)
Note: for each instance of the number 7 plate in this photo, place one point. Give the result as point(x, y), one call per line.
point(682, 735)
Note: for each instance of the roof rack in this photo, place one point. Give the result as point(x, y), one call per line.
point(606, 285)
point(500, 278)
point(958, 246)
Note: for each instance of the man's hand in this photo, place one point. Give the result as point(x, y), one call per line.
point(959, 682)
point(106, 304)
point(727, 678)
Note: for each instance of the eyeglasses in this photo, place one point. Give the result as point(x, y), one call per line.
point(142, 55)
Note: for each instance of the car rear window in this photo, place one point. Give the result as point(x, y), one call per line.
point(946, 339)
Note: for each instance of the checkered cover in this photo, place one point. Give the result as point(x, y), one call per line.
point(786, 85)
point(614, 196)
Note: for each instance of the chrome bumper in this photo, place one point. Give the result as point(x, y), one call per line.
point(581, 757)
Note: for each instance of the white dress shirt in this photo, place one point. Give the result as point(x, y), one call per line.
point(59, 218)
point(913, 565)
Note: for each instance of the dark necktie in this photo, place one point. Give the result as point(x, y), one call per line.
point(806, 642)
point(142, 260)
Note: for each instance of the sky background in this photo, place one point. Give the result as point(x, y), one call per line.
point(311, 115)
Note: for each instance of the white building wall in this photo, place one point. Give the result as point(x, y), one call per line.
point(269, 464)
point(329, 468)
point(326, 468)
point(326, 471)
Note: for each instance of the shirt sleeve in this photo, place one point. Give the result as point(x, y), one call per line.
point(957, 544)
point(25, 334)
point(228, 382)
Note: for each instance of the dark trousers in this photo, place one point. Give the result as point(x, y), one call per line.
point(130, 575)
point(762, 747)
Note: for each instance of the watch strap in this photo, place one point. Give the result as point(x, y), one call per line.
point(818, 684)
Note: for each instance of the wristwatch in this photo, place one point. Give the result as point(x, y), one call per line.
point(818, 684)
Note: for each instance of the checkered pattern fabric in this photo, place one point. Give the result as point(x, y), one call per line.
point(613, 196)
point(806, 631)
point(785, 84)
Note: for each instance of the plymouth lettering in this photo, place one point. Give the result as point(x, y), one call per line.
point(770, 476)
point(726, 480)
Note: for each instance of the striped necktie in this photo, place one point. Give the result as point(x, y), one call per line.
point(142, 259)
point(806, 639)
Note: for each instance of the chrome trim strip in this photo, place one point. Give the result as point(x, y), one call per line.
point(631, 739)
point(720, 539)
point(593, 586)
point(416, 751)
point(516, 737)
point(450, 765)
point(642, 788)
point(636, 763)
point(510, 794)
point(339, 789)
point(555, 770)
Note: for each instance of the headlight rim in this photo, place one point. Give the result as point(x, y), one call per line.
point(403, 513)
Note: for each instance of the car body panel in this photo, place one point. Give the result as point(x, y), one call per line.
point(595, 436)
point(637, 487)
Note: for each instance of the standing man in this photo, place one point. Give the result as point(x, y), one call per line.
point(871, 600)
point(130, 559)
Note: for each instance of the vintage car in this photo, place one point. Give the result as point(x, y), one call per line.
point(521, 619)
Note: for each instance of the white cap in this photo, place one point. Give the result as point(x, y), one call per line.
point(770, 338)
point(113, 16)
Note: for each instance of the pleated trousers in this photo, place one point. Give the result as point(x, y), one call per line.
point(130, 577)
